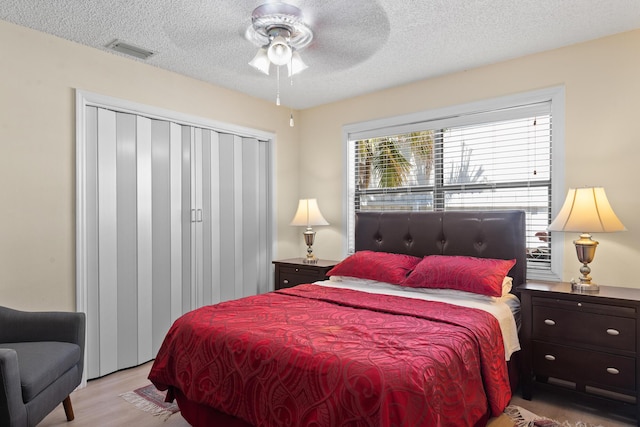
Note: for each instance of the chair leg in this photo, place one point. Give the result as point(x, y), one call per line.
point(68, 409)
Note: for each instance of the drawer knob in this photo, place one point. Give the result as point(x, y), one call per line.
point(549, 357)
point(549, 322)
point(613, 371)
point(613, 332)
point(285, 281)
point(297, 269)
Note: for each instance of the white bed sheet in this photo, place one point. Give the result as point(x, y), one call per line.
point(505, 309)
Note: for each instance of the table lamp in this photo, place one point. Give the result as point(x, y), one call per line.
point(586, 210)
point(308, 214)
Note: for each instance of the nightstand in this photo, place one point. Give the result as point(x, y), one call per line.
point(586, 344)
point(292, 272)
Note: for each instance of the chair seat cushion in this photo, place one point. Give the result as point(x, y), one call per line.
point(41, 363)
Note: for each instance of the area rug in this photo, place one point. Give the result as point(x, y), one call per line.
point(523, 418)
point(150, 399)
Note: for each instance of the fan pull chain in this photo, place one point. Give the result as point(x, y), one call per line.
point(278, 87)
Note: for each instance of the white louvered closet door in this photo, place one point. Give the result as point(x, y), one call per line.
point(177, 217)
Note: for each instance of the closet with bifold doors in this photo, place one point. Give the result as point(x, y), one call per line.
point(175, 216)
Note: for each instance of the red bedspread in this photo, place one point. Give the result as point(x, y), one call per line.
point(320, 356)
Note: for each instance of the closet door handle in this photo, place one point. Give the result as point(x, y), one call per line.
point(193, 215)
point(199, 215)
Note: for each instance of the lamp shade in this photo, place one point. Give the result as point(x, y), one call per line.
point(296, 65)
point(261, 61)
point(308, 214)
point(279, 51)
point(586, 210)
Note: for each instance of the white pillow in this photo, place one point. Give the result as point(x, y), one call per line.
point(507, 282)
point(506, 285)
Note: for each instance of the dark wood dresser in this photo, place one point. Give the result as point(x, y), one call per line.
point(292, 272)
point(586, 344)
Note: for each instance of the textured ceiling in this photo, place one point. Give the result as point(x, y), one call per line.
point(360, 46)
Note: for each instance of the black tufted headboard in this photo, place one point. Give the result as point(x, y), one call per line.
point(484, 234)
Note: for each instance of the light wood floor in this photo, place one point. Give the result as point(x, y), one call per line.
point(99, 404)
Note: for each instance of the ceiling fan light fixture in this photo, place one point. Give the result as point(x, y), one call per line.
point(261, 61)
point(296, 65)
point(279, 32)
point(279, 51)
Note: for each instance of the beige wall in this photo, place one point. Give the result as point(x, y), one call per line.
point(602, 133)
point(37, 144)
point(39, 75)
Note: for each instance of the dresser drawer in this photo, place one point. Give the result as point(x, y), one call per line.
point(300, 271)
point(588, 307)
point(584, 327)
point(292, 276)
point(598, 369)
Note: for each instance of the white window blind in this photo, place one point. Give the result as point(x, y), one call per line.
point(496, 159)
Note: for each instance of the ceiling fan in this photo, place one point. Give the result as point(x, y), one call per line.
point(281, 31)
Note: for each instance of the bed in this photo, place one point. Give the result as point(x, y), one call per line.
point(357, 351)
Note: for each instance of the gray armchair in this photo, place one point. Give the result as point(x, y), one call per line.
point(41, 362)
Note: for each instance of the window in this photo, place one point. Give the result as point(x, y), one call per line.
point(490, 155)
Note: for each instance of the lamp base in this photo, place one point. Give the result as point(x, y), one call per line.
point(309, 237)
point(586, 250)
point(584, 288)
point(310, 259)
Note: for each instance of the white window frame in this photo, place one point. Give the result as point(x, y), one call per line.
point(405, 123)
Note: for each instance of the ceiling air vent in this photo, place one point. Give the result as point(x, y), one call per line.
point(128, 49)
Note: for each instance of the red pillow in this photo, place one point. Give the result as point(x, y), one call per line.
point(478, 275)
point(380, 266)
